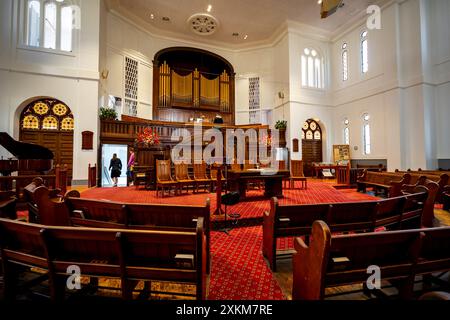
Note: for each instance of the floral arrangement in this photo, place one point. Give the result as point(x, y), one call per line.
point(148, 137)
point(266, 140)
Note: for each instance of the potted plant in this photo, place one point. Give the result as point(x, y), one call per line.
point(281, 126)
point(107, 114)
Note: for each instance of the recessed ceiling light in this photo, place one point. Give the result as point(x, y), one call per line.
point(209, 8)
point(152, 16)
point(245, 37)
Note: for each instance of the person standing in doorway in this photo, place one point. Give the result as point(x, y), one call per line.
point(130, 166)
point(116, 169)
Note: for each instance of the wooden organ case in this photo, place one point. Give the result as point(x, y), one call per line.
point(192, 85)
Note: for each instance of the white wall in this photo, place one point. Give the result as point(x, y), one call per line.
point(73, 78)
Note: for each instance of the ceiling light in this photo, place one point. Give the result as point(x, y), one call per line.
point(319, 2)
point(152, 16)
point(59, 0)
point(209, 8)
point(245, 37)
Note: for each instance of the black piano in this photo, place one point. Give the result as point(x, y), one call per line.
point(28, 157)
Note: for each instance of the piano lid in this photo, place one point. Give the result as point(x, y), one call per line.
point(24, 151)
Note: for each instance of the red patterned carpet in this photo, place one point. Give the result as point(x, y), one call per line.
point(317, 192)
point(239, 271)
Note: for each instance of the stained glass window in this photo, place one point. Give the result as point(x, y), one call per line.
point(41, 108)
point(30, 122)
point(47, 114)
point(59, 109)
point(311, 130)
point(50, 123)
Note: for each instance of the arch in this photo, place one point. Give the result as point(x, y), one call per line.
point(313, 150)
point(48, 122)
point(193, 52)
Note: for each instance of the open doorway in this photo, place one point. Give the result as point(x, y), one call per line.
point(108, 150)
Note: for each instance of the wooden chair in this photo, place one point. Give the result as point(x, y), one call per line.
point(281, 165)
point(297, 174)
point(164, 177)
point(200, 177)
point(183, 178)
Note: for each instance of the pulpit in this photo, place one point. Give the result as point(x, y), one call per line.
point(145, 165)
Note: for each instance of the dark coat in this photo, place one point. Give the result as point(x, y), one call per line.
point(116, 168)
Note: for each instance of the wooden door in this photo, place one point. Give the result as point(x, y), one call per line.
point(49, 123)
point(60, 143)
point(311, 146)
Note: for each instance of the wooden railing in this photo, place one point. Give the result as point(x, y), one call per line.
point(128, 130)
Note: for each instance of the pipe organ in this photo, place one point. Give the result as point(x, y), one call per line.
point(186, 94)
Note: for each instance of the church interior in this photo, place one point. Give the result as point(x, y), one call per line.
point(224, 150)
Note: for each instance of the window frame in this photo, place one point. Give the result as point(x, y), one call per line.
point(367, 145)
point(345, 64)
point(346, 130)
point(318, 76)
point(23, 34)
point(364, 39)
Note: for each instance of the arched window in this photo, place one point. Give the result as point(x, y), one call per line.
point(344, 62)
point(346, 131)
point(49, 24)
point(366, 133)
point(47, 114)
point(364, 52)
point(312, 69)
point(311, 131)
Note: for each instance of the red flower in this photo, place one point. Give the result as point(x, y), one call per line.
point(148, 137)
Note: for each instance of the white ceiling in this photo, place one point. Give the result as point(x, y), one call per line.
point(259, 19)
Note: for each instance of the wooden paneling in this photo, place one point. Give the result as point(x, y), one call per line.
point(59, 142)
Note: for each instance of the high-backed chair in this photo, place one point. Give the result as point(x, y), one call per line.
point(164, 178)
point(183, 178)
point(200, 177)
point(281, 165)
point(297, 174)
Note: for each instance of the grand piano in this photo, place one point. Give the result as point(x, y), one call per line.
point(28, 157)
point(30, 161)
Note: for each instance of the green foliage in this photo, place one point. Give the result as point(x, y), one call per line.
point(281, 124)
point(108, 114)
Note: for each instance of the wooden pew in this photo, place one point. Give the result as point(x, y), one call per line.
point(106, 214)
point(296, 220)
point(129, 255)
point(8, 204)
point(428, 211)
point(332, 261)
point(391, 182)
point(442, 178)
